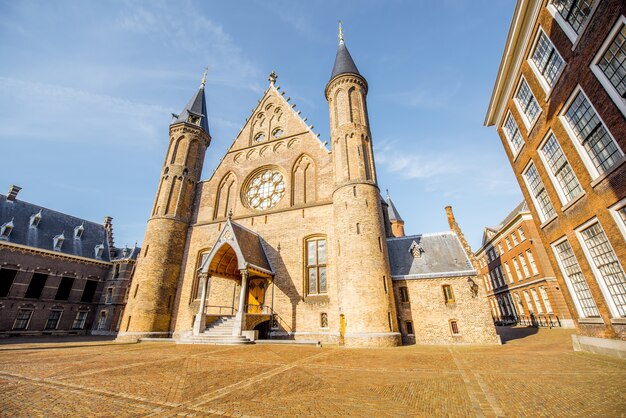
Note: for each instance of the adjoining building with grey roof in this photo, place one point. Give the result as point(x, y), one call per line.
point(58, 273)
point(517, 275)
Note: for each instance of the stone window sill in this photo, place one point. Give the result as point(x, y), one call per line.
point(590, 321)
point(572, 202)
point(606, 174)
point(548, 221)
point(618, 321)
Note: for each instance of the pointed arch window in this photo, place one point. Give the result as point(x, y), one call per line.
point(315, 265)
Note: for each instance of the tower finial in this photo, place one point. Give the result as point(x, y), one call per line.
point(272, 77)
point(340, 32)
point(203, 81)
point(230, 214)
point(387, 190)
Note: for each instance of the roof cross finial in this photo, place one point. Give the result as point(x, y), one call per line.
point(387, 190)
point(203, 81)
point(340, 32)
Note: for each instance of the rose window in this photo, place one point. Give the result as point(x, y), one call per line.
point(265, 189)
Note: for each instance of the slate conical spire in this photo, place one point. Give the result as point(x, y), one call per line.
point(392, 211)
point(344, 64)
point(195, 111)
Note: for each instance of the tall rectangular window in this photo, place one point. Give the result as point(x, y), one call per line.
point(539, 194)
point(22, 320)
point(607, 264)
point(508, 272)
point(547, 60)
point(520, 305)
point(316, 265)
point(531, 309)
point(574, 275)
point(508, 243)
point(531, 261)
point(545, 298)
point(500, 249)
point(447, 293)
point(527, 103)
point(574, 12)
point(53, 320)
point(36, 285)
point(512, 133)
point(517, 270)
point(610, 64)
point(536, 299)
point(79, 321)
point(7, 276)
point(566, 182)
point(515, 240)
point(109, 295)
point(522, 261)
point(454, 326)
point(520, 231)
point(64, 289)
point(409, 327)
point(404, 294)
point(592, 134)
point(89, 291)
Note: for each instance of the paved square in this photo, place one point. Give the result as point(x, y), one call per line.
point(535, 374)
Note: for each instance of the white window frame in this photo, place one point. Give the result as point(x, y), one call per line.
point(538, 209)
point(613, 209)
point(56, 326)
point(30, 317)
point(620, 102)
point(518, 302)
point(532, 262)
point(546, 299)
point(529, 303)
point(507, 269)
point(569, 31)
point(535, 295)
point(518, 272)
point(524, 264)
point(555, 182)
point(591, 168)
point(608, 298)
point(509, 139)
point(542, 81)
point(568, 280)
point(529, 124)
point(521, 233)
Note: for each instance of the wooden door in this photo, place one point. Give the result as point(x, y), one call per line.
point(256, 296)
point(342, 329)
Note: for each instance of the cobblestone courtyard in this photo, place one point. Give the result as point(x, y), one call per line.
point(533, 374)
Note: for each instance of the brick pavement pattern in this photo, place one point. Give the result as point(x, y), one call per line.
point(534, 374)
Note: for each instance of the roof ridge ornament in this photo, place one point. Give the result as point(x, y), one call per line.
point(203, 80)
point(341, 41)
point(272, 78)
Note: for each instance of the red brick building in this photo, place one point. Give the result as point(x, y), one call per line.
point(558, 105)
point(518, 278)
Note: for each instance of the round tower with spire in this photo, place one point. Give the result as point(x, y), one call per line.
point(153, 287)
point(367, 311)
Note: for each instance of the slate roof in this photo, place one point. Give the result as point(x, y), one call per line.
point(125, 253)
point(442, 256)
point(52, 223)
point(344, 64)
point(251, 247)
point(196, 107)
point(392, 211)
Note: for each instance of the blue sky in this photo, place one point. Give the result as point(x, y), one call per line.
point(87, 88)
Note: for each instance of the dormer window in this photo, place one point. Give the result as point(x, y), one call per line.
point(35, 219)
point(99, 250)
point(415, 250)
point(58, 241)
point(6, 229)
point(277, 133)
point(125, 252)
point(194, 119)
point(78, 231)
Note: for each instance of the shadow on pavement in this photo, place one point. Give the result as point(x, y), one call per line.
point(48, 343)
point(508, 333)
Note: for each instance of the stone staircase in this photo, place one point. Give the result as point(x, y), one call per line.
point(219, 332)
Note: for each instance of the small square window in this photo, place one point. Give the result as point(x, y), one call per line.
point(409, 327)
point(324, 320)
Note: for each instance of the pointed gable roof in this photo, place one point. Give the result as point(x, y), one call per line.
point(196, 108)
point(247, 247)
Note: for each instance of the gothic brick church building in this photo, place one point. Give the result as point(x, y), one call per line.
point(294, 240)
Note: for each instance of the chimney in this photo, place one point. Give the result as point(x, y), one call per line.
point(13, 191)
point(454, 227)
point(108, 226)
